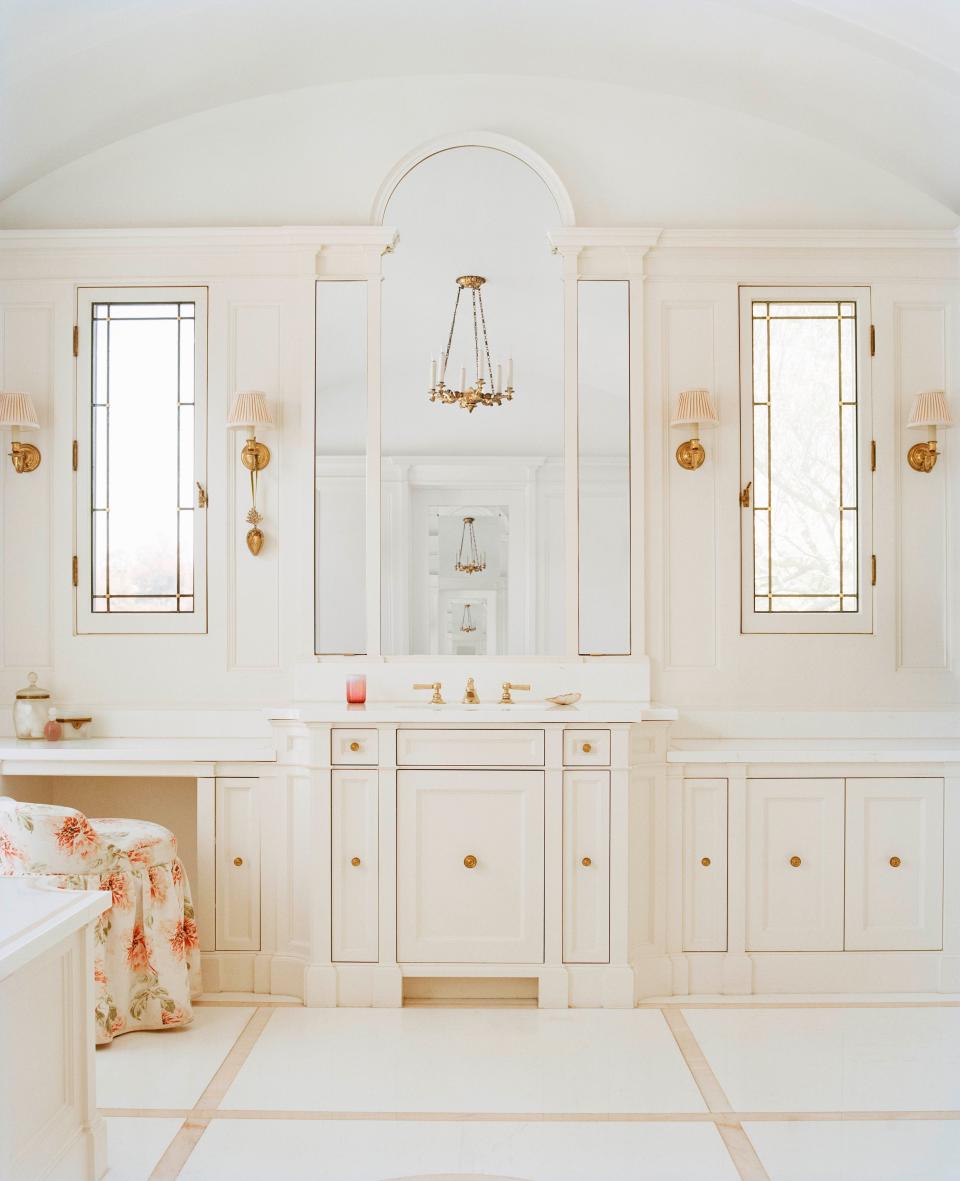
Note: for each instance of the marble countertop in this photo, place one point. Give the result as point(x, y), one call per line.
point(815, 750)
point(521, 713)
point(154, 751)
point(34, 917)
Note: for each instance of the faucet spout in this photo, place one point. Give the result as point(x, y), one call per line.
point(470, 695)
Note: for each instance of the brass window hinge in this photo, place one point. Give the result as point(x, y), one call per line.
point(201, 495)
point(873, 455)
point(873, 569)
point(76, 340)
point(76, 571)
point(873, 341)
point(745, 495)
point(76, 454)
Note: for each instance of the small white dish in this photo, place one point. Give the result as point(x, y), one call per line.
point(565, 698)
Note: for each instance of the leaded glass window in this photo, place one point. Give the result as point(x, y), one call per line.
point(144, 425)
point(806, 425)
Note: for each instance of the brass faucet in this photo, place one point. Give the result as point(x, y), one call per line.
point(436, 686)
point(506, 699)
point(470, 695)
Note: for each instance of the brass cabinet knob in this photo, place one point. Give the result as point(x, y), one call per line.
point(587, 747)
point(238, 861)
point(354, 746)
point(586, 861)
point(354, 860)
point(470, 861)
point(895, 861)
point(794, 861)
point(704, 860)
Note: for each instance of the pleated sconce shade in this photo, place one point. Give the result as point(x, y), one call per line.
point(249, 409)
point(930, 409)
point(695, 406)
point(18, 410)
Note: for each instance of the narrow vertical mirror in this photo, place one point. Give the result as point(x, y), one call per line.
point(340, 468)
point(603, 416)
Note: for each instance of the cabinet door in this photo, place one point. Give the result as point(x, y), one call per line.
point(238, 865)
point(894, 865)
point(586, 867)
point(705, 865)
point(795, 864)
point(355, 856)
point(470, 866)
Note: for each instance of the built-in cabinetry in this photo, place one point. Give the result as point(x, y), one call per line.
point(848, 863)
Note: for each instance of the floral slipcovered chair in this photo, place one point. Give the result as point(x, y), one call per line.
point(146, 958)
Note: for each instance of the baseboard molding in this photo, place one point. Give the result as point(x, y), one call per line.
point(709, 973)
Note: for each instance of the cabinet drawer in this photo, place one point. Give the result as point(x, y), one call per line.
point(586, 748)
point(894, 865)
point(470, 748)
point(795, 864)
point(353, 747)
point(355, 865)
point(470, 866)
point(705, 865)
point(586, 867)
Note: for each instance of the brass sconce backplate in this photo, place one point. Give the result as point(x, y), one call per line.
point(26, 457)
point(255, 456)
point(690, 455)
point(922, 457)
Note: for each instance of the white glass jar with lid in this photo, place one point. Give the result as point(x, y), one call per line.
point(30, 709)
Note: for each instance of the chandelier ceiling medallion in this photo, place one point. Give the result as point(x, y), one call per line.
point(484, 391)
point(466, 623)
point(469, 559)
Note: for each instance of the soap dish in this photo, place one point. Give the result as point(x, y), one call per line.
point(565, 698)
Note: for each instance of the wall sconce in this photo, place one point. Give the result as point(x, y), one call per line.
point(930, 410)
point(248, 411)
point(18, 412)
point(694, 408)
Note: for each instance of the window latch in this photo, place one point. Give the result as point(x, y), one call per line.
point(201, 495)
point(745, 495)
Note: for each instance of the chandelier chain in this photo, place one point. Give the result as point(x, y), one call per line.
point(486, 343)
point(453, 322)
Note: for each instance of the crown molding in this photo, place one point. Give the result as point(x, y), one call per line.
point(838, 238)
point(201, 237)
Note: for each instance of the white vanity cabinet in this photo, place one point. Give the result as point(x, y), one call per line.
point(474, 848)
point(894, 857)
point(470, 866)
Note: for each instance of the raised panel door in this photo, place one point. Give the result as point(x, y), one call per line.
point(470, 866)
point(355, 864)
point(894, 867)
point(795, 864)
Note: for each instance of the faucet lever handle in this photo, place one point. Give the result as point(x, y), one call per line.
point(506, 699)
point(436, 686)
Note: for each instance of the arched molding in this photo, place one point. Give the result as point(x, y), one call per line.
point(476, 139)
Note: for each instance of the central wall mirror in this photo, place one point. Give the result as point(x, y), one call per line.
point(450, 377)
point(486, 480)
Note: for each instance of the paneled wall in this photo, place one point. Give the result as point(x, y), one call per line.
point(685, 333)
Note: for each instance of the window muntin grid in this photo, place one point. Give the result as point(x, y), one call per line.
point(142, 446)
point(805, 456)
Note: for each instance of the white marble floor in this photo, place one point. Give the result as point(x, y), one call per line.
point(799, 1089)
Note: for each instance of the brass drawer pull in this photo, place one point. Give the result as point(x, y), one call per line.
point(795, 861)
point(354, 860)
point(470, 861)
point(895, 861)
point(354, 746)
point(238, 861)
point(704, 861)
point(586, 861)
point(587, 747)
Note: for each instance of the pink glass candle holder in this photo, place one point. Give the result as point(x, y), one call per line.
point(356, 689)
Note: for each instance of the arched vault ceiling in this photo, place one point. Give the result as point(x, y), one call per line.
point(879, 79)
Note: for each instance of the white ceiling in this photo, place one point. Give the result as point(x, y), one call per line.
point(879, 79)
